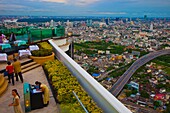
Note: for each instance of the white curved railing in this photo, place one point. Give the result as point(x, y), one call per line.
point(104, 99)
point(60, 42)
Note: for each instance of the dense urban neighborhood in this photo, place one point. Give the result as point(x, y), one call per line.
point(106, 48)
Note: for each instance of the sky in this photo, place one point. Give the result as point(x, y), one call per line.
point(110, 8)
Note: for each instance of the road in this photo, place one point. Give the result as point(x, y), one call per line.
point(105, 75)
point(118, 86)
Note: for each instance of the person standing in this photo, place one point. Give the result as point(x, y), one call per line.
point(45, 90)
point(16, 102)
point(2, 37)
point(17, 70)
point(10, 70)
point(13, 37)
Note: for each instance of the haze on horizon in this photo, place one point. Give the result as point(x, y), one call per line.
point(111, 8)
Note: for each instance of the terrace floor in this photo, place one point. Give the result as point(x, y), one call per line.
point(30, 77)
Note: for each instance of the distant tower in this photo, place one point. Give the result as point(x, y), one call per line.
point(59, 23)
point(164, 19)
point(68, 23)
point(51, 23)
point(103, 20)
point(145, 17)
point(151, 26)
point(126, 20)
point(89, 22)
point(107, 21)
point(117, 19)
point(130, 19)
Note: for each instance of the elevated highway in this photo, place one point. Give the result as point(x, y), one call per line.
point(118, 86)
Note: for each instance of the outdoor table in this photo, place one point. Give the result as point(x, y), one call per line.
point(24, 52)
point(3, 45)
point(19, 42)
point(6, 41)
point(3, 57)
point(33, 47)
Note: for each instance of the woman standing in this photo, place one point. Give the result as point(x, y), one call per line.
point(16, 102)
point(45, 90)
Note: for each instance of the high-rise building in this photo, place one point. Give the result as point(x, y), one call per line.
point(145, 17)
point(107, 21)
point(89, 22)
point(52, 23)
point(151, 26)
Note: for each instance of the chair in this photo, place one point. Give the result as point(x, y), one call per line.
point(10, 57)
point(16, 55)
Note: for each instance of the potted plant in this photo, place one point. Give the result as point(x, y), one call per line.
point(44, 54)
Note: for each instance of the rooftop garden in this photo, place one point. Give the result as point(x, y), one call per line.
point(64, 84)
point(45, 50)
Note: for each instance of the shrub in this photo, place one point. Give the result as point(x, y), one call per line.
point(45, 45)
point(41, 53)
point(45, 50)
point(64, 84)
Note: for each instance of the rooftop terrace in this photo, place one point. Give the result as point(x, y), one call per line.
point(30, 77)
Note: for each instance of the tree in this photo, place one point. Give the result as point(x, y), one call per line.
point(160, 86)
point(144, 94)
point(134, 91)
point(126, 86)
point(167, 109)
point(156, 103)
point(128, 93)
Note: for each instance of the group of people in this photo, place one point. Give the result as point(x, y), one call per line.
point(16, 98)
point(14, 68)
point(3, 38)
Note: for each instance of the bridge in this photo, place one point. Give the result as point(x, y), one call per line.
point(118, 86)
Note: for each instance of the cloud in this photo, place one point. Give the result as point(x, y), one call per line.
point(112, 13)
point(85, 2)
point(57, 1)
point(9, 6)
point(106, 13)
point(70, 2)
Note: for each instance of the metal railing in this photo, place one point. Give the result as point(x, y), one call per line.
point(104, 99)
point(80, 102)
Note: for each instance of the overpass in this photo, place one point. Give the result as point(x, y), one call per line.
point(118, 86)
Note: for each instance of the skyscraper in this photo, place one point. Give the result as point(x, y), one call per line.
point(107, 21)
point(52, 23)
point(89, 22)
point(145, 17)
point(151, 26)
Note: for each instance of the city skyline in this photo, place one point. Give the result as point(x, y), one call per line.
point(111, 8)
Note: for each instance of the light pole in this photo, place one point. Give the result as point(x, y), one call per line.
point(72, 45)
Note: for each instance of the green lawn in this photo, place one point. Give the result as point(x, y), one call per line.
point(102, 45)
point(167, 70)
